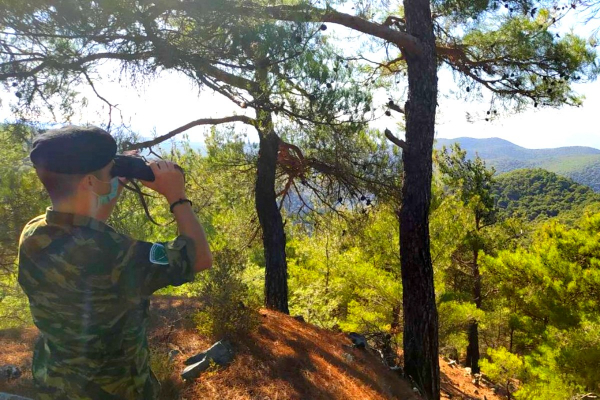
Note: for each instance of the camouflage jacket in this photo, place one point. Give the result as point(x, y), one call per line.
point(88, 288)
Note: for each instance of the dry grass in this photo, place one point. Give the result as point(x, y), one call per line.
point(457, 384)
point(282, 359)
point(17, 349)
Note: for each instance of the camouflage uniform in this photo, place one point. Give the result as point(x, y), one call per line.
point(88, 289)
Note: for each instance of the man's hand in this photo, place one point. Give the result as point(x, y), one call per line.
point(169, 180)
point(170, 183)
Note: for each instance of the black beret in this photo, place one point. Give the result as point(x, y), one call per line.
point(73, 150)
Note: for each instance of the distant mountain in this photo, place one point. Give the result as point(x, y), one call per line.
point(582, 164)
point(537, 193)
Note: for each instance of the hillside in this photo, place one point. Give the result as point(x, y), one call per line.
point(536, 193)
point(283, 359)
point(582, 164)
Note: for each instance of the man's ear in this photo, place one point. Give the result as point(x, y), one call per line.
point(86, 183)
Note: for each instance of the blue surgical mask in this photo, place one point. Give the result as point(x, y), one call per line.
point(107, 198)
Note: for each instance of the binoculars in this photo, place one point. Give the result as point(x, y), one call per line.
point(133, 167)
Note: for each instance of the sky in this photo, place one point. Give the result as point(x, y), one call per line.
point(161, 105)
point(534, 128)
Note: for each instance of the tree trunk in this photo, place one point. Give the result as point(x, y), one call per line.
point(473, 347)
point(420, 314)
point(276, 288)
point(395, 319)
point(327, 265)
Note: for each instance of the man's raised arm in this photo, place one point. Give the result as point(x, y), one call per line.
point(169, 182)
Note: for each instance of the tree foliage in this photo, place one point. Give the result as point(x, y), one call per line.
point(22, 197)
point(536, 194)
point(552, 287)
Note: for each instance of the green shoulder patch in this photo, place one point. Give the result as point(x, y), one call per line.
point(158, 254)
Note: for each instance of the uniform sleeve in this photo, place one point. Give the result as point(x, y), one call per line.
point(161, 264)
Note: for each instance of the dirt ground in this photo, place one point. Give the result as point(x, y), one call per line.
point(282, 359)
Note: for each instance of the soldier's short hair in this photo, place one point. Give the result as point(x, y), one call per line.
point(61, 186)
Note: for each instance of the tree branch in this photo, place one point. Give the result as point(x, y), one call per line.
point(398, 142)
point(301, 13)
point(205, 121)
point(395, 107)
point(74, 65)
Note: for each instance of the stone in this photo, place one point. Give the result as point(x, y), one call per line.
point(299, 318)
point(221, 353)
point(10, 371)
point(348, 357)
point(358, 340)
point(468, 370)
point(8, 396)
point(193, 371)
point(172, 354)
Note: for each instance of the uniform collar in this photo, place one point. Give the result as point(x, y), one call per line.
point(61, 218)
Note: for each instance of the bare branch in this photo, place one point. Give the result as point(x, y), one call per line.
point(395, 107)
point(205, 121)
point(110, 105)
point(398, 142)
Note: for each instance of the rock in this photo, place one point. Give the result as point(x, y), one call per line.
point(10, 371)
point(358, 340)
point(299, 318)
point(8, 396)
point(193, 371)
point(221, 353)
point(468, 370)
point(348, 357)
point(172, 354)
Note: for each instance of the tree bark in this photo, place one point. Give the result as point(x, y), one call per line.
point(473, 347)
point(420, 314)
point(396, 314)
point(276, 287)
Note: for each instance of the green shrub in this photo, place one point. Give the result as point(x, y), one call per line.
point(228, 311)
point(504, 368)
point(454, 320)
point(166, 374)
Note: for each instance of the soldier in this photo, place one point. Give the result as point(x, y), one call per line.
point(88, 285)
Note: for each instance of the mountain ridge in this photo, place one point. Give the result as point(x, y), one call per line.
point(580, 163)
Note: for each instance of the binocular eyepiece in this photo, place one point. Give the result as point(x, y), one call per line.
point(134, 168)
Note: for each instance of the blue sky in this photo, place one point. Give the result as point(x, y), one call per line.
point(170, 101)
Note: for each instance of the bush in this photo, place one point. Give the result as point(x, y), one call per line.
point(504, 368)
point(454, 320)
point(228, 310)
point(165, 373)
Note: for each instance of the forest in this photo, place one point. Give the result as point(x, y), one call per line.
point(427, 253)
